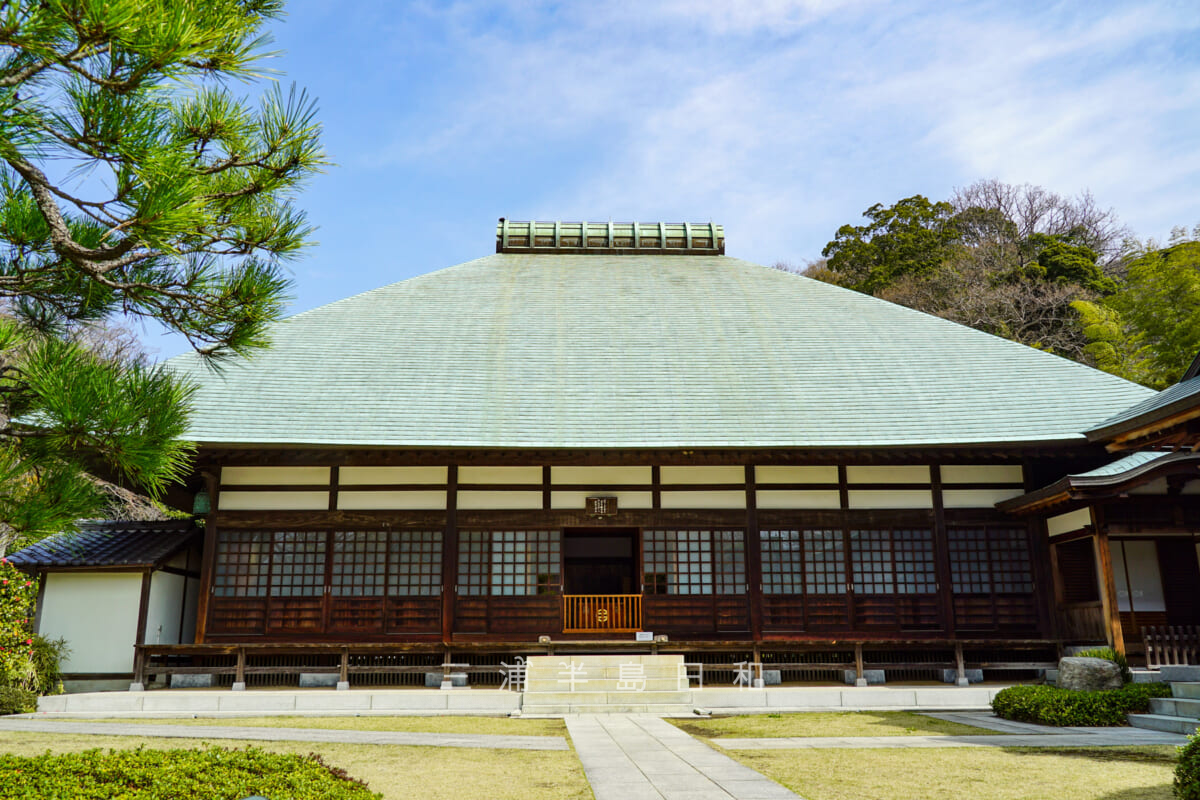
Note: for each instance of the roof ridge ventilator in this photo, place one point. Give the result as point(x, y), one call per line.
point(611, 238)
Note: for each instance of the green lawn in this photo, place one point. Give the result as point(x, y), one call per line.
point(399, 773)
point(491, 725)
point(1016, 773)
point(834, 723)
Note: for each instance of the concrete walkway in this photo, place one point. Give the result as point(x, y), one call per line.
point(478, 740)
point(1017, 734)
point(634, 757)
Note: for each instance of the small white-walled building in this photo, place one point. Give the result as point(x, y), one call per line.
point(111, 586)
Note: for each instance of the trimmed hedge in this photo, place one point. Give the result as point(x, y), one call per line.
point(1050, 705)
point(1187, 772)
point(15, 700)
point(213, 774)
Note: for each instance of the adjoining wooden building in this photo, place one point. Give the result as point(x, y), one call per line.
point(610, 428)
point(1125, 537)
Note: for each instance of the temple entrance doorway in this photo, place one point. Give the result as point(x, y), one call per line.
point(600, 561)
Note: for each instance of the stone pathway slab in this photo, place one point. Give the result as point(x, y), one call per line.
point(1110, 737)
point(474, 740)
point(628, 757)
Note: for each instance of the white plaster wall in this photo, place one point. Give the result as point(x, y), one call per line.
point(722, 499)
point(274, 501)
point(578, 500)
point(96, 612)
point(499, 475)
point(162, 615)
point(804, 474)
point(1069, 522)
point(600, 475)
point(982, 473)
point(705, 474)
point(268, 476)
point(978, 498)
point(871, 474)
point(384, 501)
point(880, 498)
point(480, 501)
point(418, 475)
point(777, 498)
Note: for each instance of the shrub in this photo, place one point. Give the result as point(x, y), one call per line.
point(1049, 705)
point(213, 773)
point(18, 592)
point(1108, 654)
point(47, 657)
point(1187, 772)
point(15, 700)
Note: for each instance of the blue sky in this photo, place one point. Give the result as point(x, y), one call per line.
point(779, 119)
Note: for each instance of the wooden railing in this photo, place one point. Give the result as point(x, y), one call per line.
point(1172, 645)
point(602, 613)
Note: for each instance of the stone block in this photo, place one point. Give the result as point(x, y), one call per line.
point(490, 701)
point(973, 675)
point(805, 698)
point(192, 681)
point(256, 702)
point(181, 702)
point(957, 698)
point(106, 701)
point(1147, 676)
point(433, 680)
point(410, 700)
point(772, 677)
point(873, 677)
point(1182, 674)
point(314, 680)
point(1088, 674)
point(333, 701)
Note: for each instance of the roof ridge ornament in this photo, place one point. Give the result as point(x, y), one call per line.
point(610, 238)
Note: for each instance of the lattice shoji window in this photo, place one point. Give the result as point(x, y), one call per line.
point(677, 562)
point(1012, 571)
point(969, 567)
point(782, 562)
point(912, 555)
point(824, 562)
point(474, 562)
point(415, 564)
point(243, 563)
point(525, 562)
point(729, 556)
point(298, 564)
point(359, 564)
point(871, 554)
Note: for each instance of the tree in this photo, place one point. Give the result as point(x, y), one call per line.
point(134, 182)
point(1158, 314)
point(908, 238)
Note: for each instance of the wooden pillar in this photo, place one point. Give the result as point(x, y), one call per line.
point(1108, 586)
point(213, 487)
point(941, 552)
point(753, 558)
point(450, 554)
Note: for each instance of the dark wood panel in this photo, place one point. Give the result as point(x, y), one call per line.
point(827, 612)
point(531, 615)
point(1180, 580)
point(678, 613)
point(1016, 612)
point(732, 612)
point(919, 612)
point(237, 615)
point(876, 611)
point(356, 615)
point(470, 614)
point(295, 614)
point(783, 612)
point(414, 614)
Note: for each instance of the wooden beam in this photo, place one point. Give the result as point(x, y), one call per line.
point(450, 554)
point(207, 561)
point(753, 555)
point(1108, 586)
point(143, 609)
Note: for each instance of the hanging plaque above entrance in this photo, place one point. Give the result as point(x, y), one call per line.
point(601, 506)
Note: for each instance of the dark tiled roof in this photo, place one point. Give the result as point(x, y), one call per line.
point(109, 544)
point(1180, 397)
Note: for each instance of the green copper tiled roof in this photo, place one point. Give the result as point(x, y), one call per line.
point(640, 351)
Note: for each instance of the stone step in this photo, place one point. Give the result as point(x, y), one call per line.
point(659, 709)
point(1186, 708)
point(1180, 673)
point(607, 685)
point(1187, 690)
point(1161, 722)
point(596, 698)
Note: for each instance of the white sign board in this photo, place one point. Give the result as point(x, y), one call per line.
point(645, 636)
